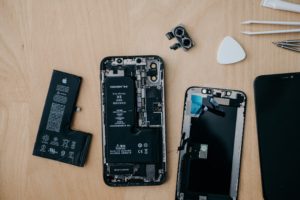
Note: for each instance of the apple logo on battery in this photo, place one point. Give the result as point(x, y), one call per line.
point(64, 80)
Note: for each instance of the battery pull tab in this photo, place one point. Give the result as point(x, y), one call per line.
point(55, 140)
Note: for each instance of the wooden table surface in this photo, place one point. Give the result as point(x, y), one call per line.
point(37, 36)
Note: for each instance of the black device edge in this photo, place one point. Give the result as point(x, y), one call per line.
point(242, 144)
point(280, 75)
point(164, 178)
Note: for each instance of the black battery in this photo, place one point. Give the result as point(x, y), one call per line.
point(55, 140)
point(125, 141)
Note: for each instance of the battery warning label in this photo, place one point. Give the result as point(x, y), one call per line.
point(119, 98)
point(120, 102)
point(120, 149)
point(57, 108)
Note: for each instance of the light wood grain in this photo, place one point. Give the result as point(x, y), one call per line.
point(37, 36)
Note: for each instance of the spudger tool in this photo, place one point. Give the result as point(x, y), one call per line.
point(271, 23)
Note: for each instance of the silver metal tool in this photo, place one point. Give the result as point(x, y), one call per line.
point(293, 45)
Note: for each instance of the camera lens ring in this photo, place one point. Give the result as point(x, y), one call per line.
point(186, 42)
point(179, 32)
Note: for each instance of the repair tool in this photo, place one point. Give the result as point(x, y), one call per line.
point(271, 23)
point(293, 45)
point(281, 5)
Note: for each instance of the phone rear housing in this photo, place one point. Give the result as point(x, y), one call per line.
point(210, 149)
point(133, 120)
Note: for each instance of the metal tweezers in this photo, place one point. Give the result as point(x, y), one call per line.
point(272, 23)
point(293, 45)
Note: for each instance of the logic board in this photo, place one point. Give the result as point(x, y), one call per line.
point(133, 120)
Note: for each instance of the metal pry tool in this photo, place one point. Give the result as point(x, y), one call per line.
point(271, 23)
point(292, 45)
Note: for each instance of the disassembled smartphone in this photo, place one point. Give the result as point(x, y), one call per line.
point(133, 120)
point(210, 148)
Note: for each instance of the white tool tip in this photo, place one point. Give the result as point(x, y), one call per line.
point(247, 22)
point(230, 51)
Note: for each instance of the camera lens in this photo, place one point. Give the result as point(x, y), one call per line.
point(179, 32)
point(138, 60)
point(153, 78)
point(186, 42)
point(153, 65)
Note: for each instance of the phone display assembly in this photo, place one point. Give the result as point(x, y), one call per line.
point(133, 120)
point(277, 114)
point(210, 148)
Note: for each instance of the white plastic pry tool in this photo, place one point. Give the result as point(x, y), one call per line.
point(281, 5)
point(230, 51)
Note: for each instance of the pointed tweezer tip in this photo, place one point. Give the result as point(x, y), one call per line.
point(245, 22)
point(246, 32)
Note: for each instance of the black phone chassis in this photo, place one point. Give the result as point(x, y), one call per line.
point(210, 148)
point(133, 120)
